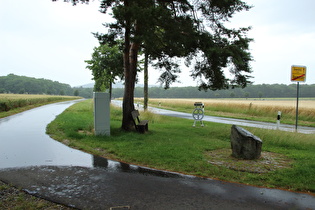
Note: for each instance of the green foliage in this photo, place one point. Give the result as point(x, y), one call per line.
point(28, 85)
point(22, 84)
point(168, 30)
point(106, 64)
point(254, 91)
point(76, 92)
point(171, 29)
point(173, 144)
point(83, 92)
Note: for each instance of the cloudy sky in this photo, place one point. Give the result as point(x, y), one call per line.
point(51, 40)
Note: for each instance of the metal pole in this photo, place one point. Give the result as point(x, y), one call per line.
point(297, 106)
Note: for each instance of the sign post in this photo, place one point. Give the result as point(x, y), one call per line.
point(198, 113)
point(298, 74)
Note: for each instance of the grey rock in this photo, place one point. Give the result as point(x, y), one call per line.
point(244, 144)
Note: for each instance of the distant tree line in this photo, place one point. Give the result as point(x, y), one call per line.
point(28, 85)
point(22, 85)
point(251, 91)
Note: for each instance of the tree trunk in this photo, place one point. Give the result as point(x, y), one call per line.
point(110, 88)
point(130, 78)
point(130, 71)
point(128, 105)
point(146, 78)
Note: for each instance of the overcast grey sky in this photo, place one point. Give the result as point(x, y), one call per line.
point(51, 40)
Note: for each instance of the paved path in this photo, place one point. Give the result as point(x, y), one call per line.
point(103, 188)
point(24, 142)
point(91, 182)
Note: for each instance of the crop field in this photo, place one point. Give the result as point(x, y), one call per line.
point(303, 103)
point(13, 103)
point(252, 109)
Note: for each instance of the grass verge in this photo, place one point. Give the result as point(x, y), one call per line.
point(173, 144)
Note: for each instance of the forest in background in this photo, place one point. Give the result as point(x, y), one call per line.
point(251, 91)
point(23, 85)
point(29, 85)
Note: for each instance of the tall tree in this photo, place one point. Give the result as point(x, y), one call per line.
point(106, 64)
point(170, 29)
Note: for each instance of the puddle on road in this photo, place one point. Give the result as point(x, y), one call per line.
point(100, 162)
point(24, 143)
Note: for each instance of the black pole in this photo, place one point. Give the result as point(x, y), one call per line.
point(297, 106)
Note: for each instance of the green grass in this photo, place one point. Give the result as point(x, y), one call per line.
point(173, 144)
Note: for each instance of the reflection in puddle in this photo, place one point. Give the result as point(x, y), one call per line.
point(23, 143)
point(110, 165)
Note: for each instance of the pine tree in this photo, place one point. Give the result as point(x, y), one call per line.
point(171, 29)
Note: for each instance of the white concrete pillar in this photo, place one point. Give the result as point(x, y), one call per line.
point(101, 113)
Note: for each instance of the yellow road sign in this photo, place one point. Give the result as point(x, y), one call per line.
point(298, 73)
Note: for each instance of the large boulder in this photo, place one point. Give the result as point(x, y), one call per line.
point(244, 144)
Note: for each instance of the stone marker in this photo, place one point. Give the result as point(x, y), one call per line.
point(244, 144)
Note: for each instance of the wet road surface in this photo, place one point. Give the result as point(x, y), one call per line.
point(103, 188)
point(43, 167)
point(24, 142)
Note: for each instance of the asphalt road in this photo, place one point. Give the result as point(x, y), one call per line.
point(80, 180)
point(104, 188)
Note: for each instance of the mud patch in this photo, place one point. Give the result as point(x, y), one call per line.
point(267, 162)
point(89, 133)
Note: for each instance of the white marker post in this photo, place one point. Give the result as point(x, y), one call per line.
point(278, 119)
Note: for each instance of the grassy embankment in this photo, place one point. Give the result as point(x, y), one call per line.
point(14, 103)
point(173, 144)
point(250, 109)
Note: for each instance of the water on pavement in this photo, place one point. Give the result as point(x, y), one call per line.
point(24, 143)
point(28, 154)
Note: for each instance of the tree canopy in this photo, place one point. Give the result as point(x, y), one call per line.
point(191, 29)
point(172, 29)
point(106, 65)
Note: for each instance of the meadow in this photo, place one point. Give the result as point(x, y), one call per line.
point(172, 144)
point(14, 103)
point(250, 109)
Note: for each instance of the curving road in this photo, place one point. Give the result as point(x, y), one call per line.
point(43, 167)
